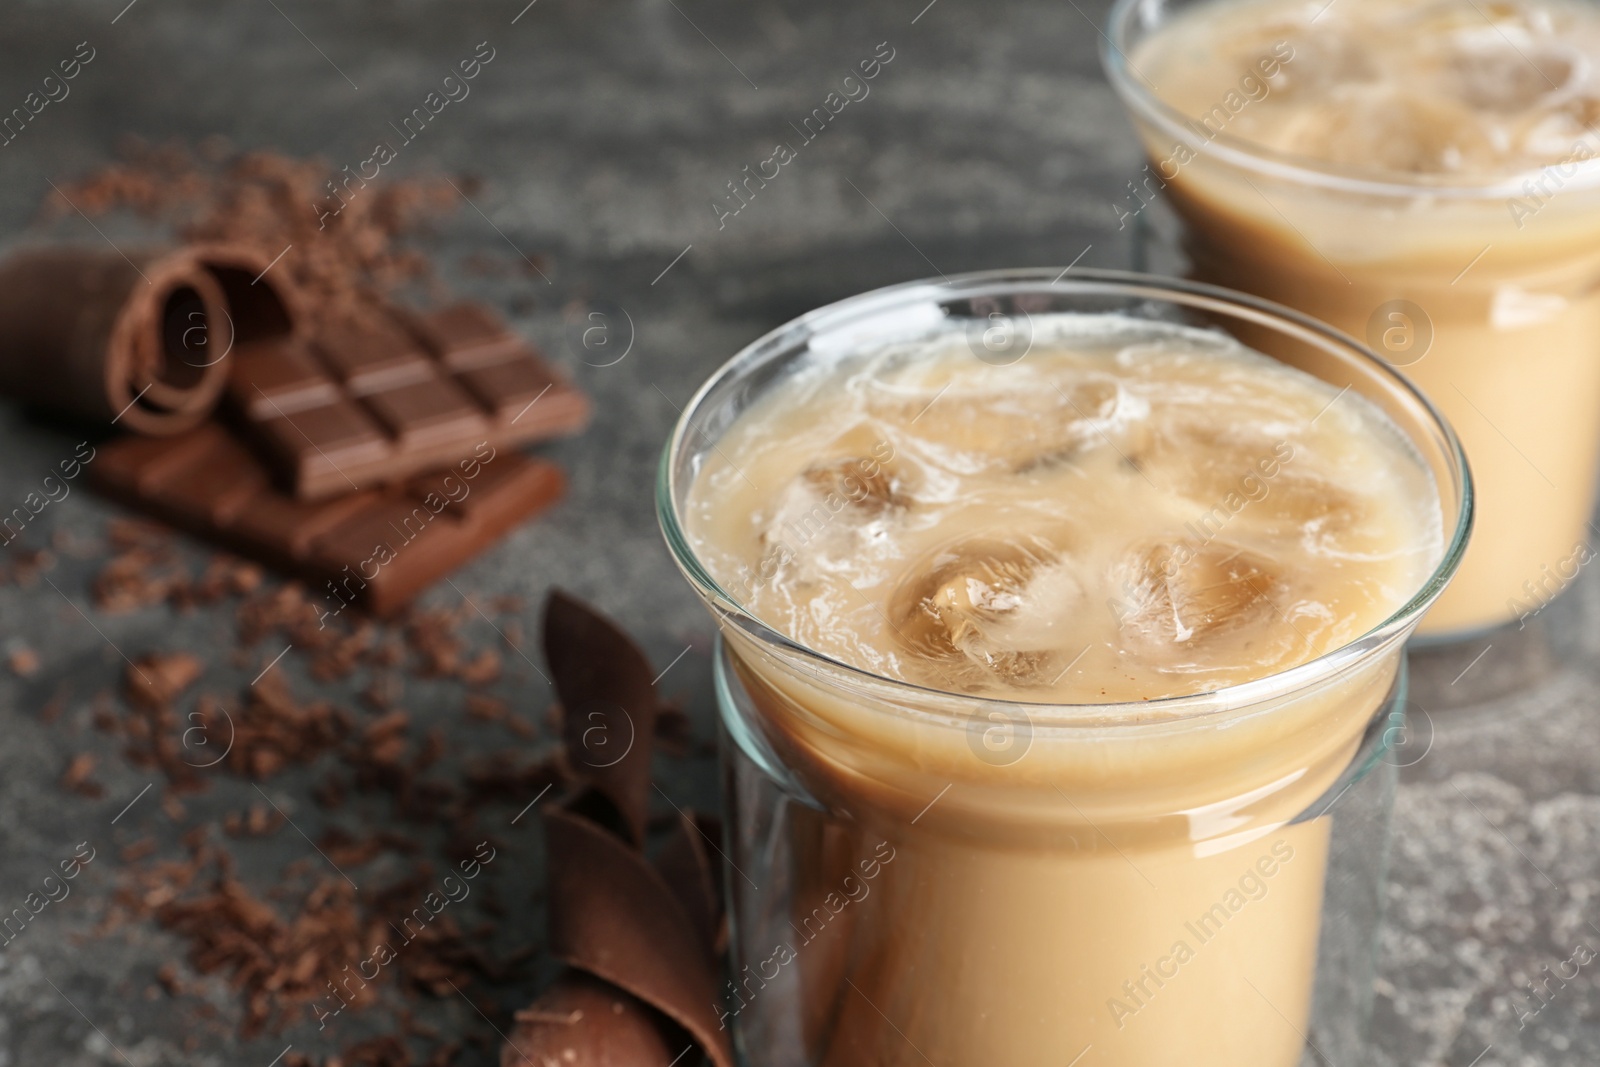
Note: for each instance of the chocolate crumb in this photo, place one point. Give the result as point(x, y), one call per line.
point(24, 662)
point(155, 681)
point(75, 777)
point(138, 850)
point(52, 708)
point(485, 708)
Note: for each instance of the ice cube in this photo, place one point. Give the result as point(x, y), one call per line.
point(1033, 425)
point(1324, 512)
point(1384, 128)
point(1499, 77)
point(1320, 62)
point(863, 483)
point(1181, 599)
point(823, 513)
point(982, 613)
point(1205, 460)
point(1250, 479)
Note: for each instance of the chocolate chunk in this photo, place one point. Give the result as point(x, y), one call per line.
point(279, 376)
point(429, 413)
point(376, 550)
point(141, 341)
point(584, 1022)
point(370, 353)
point(512, 390)
point(604, 682)
point(317, 445)
point(468, 335)
point(377, 398)
point(611, 914)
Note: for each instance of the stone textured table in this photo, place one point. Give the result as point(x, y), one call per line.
point(605, 133)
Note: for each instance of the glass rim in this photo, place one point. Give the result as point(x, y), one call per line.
point(1071, 282)
point(1137, 93)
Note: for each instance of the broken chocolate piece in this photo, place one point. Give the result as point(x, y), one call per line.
point(604, 682)
point(611, 914)
point(376, 550)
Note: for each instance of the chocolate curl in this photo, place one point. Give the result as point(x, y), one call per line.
point(606, 690)
point(583, 1020)
point(141, 340)
point(685, 864)
point(613, 915)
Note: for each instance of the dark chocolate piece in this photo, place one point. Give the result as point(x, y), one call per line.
point(375, 549)
point(468, 335)
point(372, 400)
point(143, 340)
point(611, 914)
point(609, 704)
point(285, 377)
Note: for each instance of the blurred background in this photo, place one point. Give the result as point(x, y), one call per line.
point(593, 157)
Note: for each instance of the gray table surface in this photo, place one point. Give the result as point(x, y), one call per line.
point(604, 131)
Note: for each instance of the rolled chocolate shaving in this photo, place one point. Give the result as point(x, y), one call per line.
point(609, 702)
point(582, 1021)
point(140, 340)
point(685, 865)
point(613, 915)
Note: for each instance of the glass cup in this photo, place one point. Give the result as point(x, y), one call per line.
point(920, 877)
point(1487, 295)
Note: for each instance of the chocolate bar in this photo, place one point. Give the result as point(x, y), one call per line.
point(376, 549)
point(365, 401)
point(137, 340)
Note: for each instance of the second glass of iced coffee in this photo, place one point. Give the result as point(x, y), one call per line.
point(1061, 652)
point(1423, 175)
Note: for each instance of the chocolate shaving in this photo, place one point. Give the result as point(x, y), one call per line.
point(275, 731)
point(581, 1021)
point(156, 680)
point(24, 662)
point(277, 965)
point(76, 776)
point(137, 340)
point(613, 915)
point(259, 821)
point(686, 867)
point(605, 685)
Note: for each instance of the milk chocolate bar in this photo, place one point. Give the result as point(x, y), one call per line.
point(365, 401)
point(376, 549)
point(139, 340)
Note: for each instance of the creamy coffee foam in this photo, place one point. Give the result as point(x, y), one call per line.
point(1451, 87)
point(1133, 510)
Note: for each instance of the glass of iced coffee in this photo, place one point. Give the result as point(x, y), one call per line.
point(1060, 670)
point(1421, 174)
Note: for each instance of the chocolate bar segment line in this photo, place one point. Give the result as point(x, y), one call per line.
point(360, 402)
point(276, 430)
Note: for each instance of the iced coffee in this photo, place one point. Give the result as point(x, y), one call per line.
point(1051, 796)
point(1421, 174)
